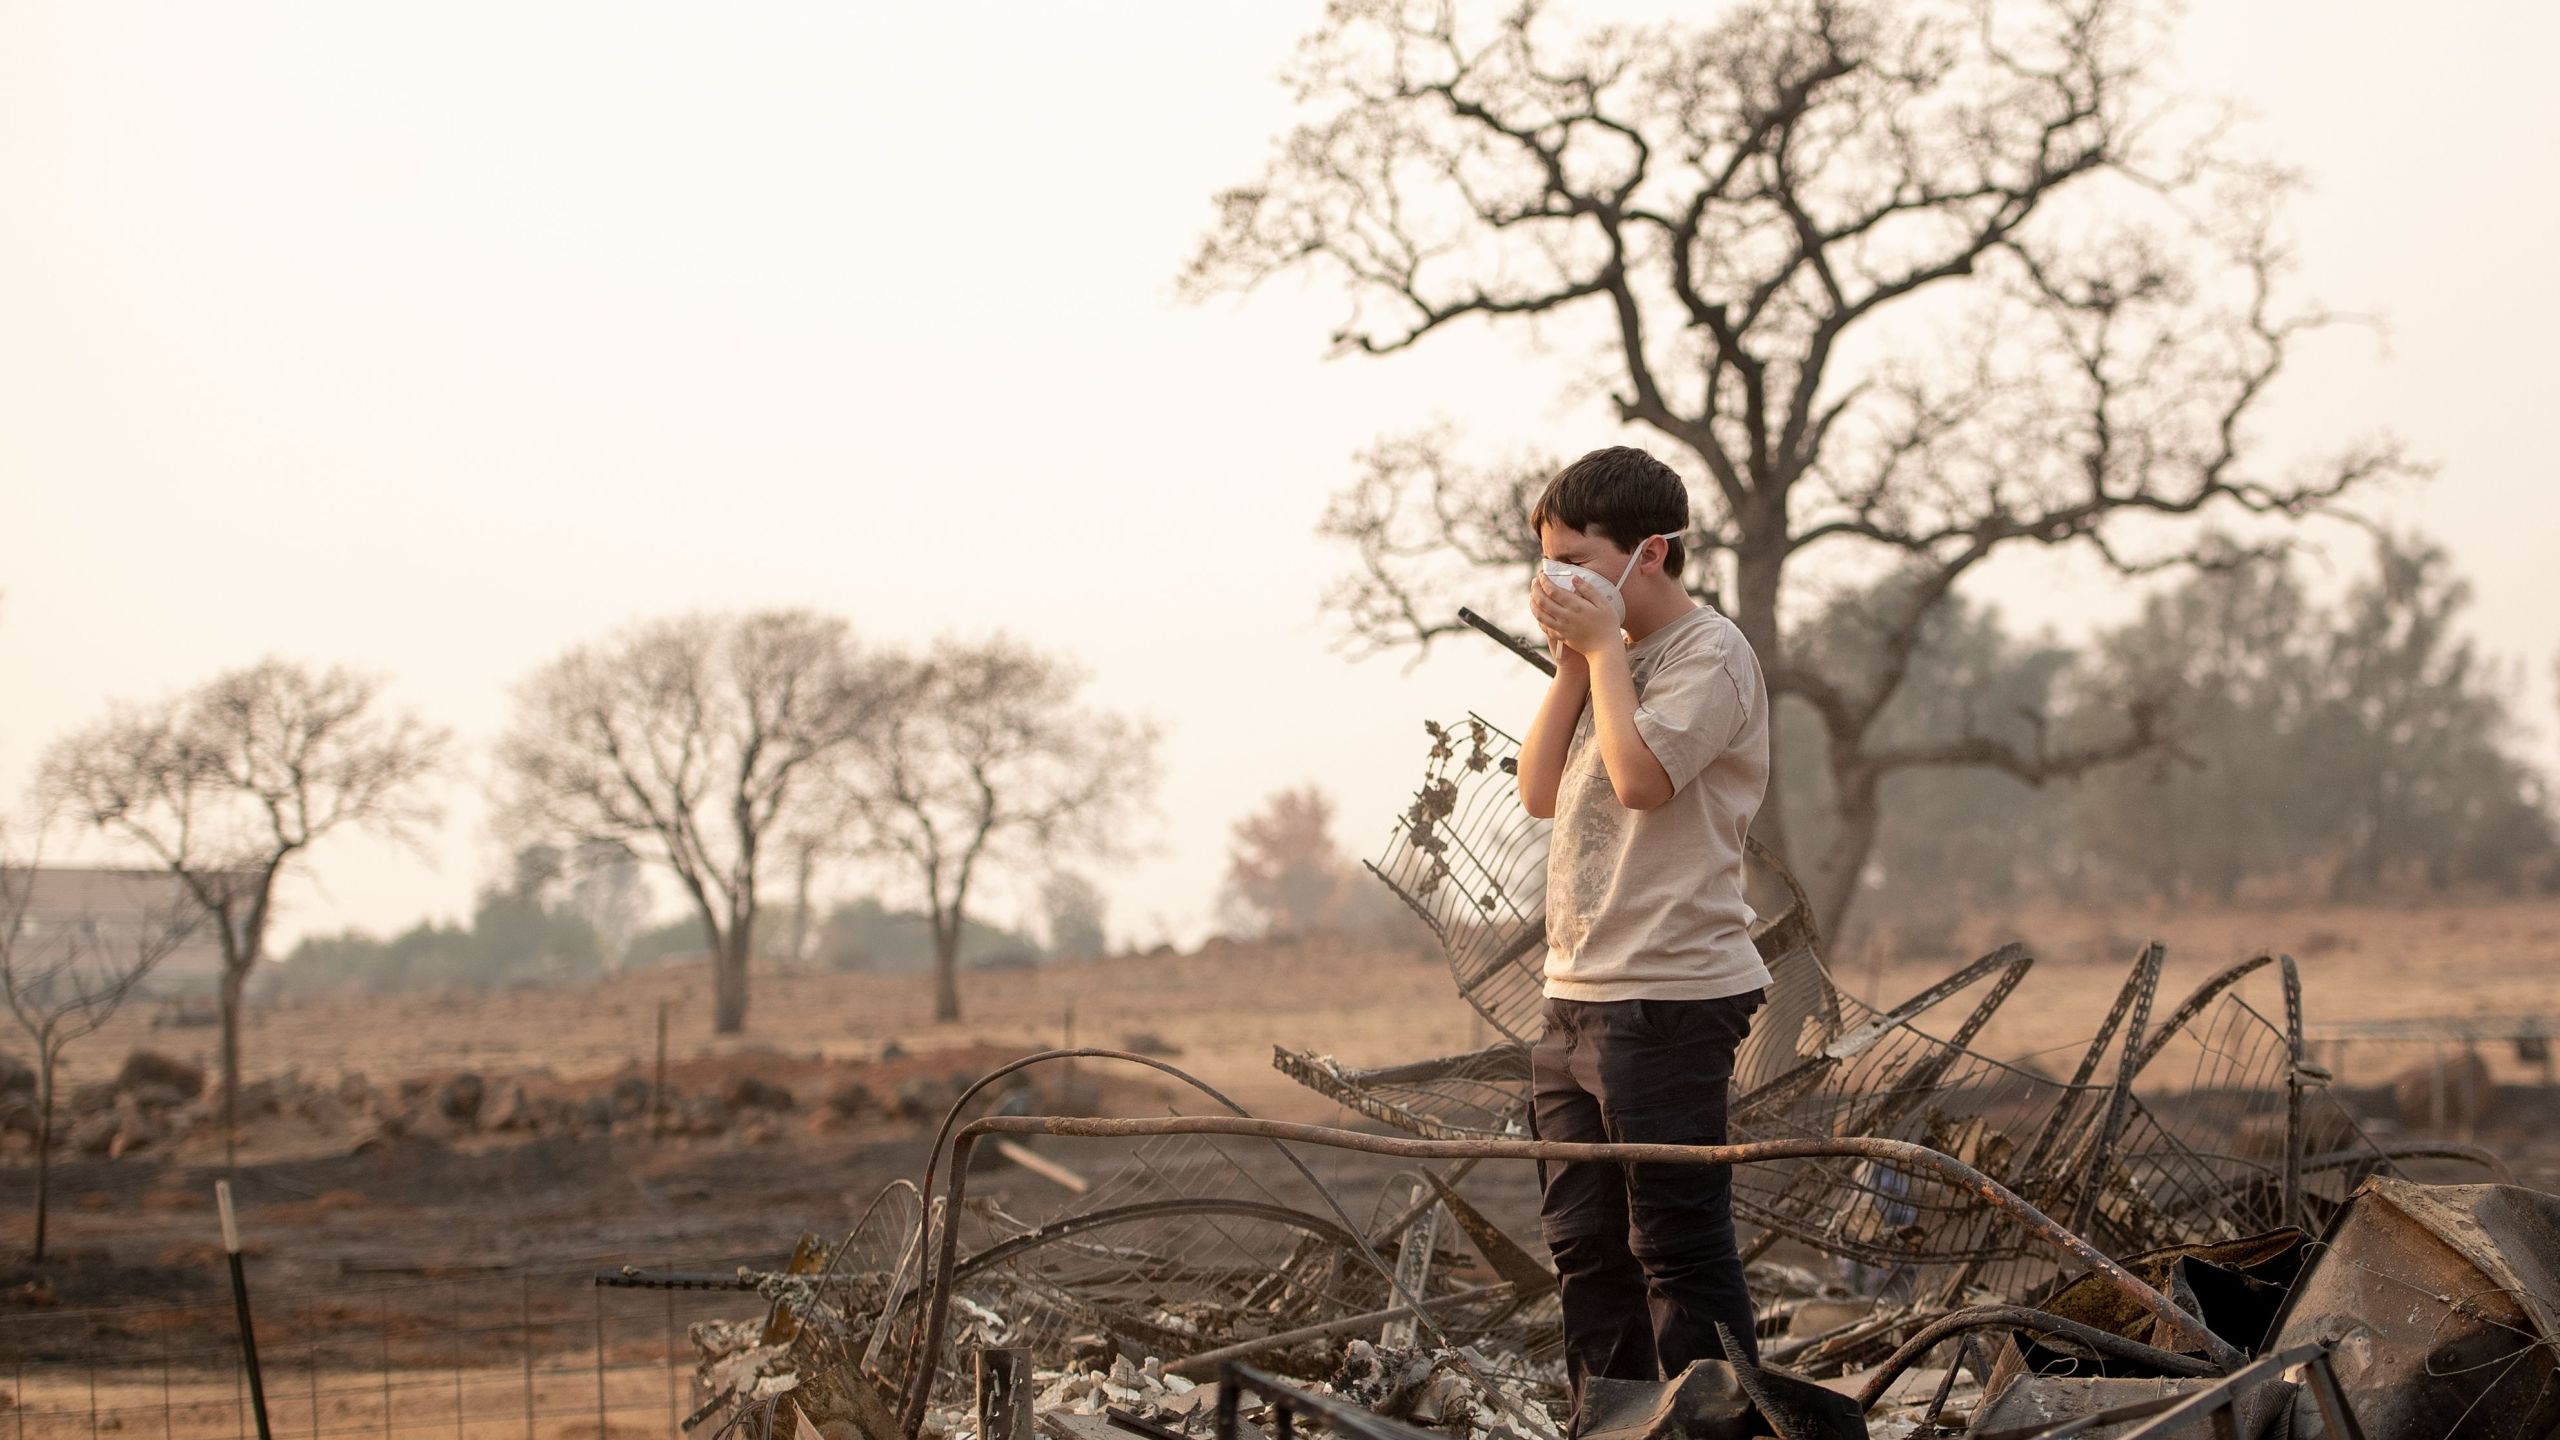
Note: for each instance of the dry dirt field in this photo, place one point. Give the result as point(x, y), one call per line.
point(2496, 958)
point(1224, 1007)
point(1218, 1012)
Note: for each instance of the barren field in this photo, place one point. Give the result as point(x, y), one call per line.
point(2495, 958)
point(320, 1200)
point(1222, 1008)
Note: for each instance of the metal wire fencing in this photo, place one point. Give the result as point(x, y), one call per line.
point(541, 1354)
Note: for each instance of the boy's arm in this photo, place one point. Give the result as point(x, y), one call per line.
point(1634, 772)
point(1542, 754)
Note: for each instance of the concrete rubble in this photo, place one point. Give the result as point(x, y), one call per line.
point(2189, 1226)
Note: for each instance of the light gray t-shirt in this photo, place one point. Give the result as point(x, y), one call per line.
point(1648, 904)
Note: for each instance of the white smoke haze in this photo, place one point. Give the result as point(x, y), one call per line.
point(437, 339)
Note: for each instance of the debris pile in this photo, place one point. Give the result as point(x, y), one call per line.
point(1939, 1242)
point(152, 1100)
point(1143, 1387)
point(156, 1103)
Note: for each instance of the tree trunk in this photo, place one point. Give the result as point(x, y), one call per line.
point(1833, 878)
point(946, 968)
point(235, 980)
point(2360, 874)
point(800, 906)
point(44, 1149)
point(1757, 566)
point(729, 977)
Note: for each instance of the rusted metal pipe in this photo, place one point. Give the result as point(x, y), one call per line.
point(1901, 1152)
point(2020, 1317)
point(1207, 1361)
point(2293, 1212)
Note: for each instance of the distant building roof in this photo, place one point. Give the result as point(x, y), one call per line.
point(114, 902)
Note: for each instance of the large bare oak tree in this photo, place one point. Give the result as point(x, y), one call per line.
point(991, 760)
point(692, 741)
point(1901, 286)
point(228, 785)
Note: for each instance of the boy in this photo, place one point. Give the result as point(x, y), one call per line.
point(1651, 754)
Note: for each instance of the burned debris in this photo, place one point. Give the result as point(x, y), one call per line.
point(2187, 1234)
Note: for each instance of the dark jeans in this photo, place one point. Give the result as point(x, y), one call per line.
point(1644, 1253)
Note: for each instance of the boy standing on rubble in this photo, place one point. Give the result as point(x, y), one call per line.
point(1651, 754)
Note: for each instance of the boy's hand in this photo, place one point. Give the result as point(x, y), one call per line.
point(1571, 618)
point(1562, 653)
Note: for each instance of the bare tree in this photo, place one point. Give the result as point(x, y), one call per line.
point(691, 741)
point(229, 784)
point(1076, 916)
point(991, 762)
point(814, 841)
point(65, 975)
point(1285, 876)
point(1916, 283)
point(608, 891)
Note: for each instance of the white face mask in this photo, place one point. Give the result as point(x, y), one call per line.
point(1598, 586)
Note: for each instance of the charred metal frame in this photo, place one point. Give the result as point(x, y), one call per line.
point(2218, 1403)
point(2029, 1320)
point(1898, 1152)
point(1347, 1419)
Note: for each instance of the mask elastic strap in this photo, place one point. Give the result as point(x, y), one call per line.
point(1637, 558)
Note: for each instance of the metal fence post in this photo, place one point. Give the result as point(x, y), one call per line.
point(525, 1313)
point(2294, 1211)
point(453, 1294)
point(598, 1295)
point(168, 1422)
point(240, 1303)
point(311, 1357)
point(674, 1362)
point(658, 1082)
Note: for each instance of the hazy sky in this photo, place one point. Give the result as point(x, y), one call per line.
point(436, 338)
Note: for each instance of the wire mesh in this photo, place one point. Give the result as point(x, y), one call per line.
point(1903, 1082)
point(1473, 864)
point(542, 1353)
point(1484, 1092)
point(2220, 1122)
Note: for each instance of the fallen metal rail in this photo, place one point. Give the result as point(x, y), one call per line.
point(2020, 1317)
point(1998, 1196)
point(632, 1277)
point(1288, 1400)
point(2173, 1415)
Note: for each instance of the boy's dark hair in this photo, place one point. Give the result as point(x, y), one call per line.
point(1623, 493)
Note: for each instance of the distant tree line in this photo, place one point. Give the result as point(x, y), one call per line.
point(2349, 748)
point(2355, 748)
point(515, 939)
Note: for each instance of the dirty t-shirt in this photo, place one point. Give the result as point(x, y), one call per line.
point(1648, 904)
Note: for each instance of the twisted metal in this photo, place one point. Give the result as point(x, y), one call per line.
point(1989, 1192)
